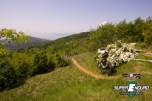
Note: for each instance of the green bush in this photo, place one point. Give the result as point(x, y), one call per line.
point(142, 45)
point(8, 77)
point(15, 69)
point(42, 63)
point(148, 32)
point(22, 64)
point(60, 61)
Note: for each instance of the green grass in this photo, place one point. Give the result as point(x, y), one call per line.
point(87, 60)
point(71, 84)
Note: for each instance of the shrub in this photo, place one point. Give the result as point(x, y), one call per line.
point(42, 63)
point(60, 61)
point(22, 63)
point(8, 77)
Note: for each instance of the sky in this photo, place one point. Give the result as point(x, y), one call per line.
point(51, 19)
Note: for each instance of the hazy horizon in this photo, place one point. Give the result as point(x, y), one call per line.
point(50, 36)
point(48, 18)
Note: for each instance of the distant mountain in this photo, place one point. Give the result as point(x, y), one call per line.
point(33, 41)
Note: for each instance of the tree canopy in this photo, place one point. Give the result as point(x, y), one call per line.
point(11, 35)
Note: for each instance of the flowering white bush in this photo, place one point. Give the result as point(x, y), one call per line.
point(120, 53)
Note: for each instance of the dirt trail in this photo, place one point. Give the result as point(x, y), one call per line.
point(91, 73)
point(148, 54)
point(106, 77)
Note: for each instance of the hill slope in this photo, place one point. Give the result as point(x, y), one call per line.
point(75, 42)
point(71, 84)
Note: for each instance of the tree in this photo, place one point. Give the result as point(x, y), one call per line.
point(42, 63)
point(10, 35)
point(23, 64)
point(104, 35)
point(148, 31)
point(138, 30)
point(8, 75)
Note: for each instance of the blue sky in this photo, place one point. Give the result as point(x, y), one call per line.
point(51, 19)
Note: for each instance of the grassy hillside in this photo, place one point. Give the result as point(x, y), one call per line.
point(71, 84)
point(65, 81)
point(68, 44)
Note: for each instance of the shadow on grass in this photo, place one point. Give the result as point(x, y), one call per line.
point(13, 85)
point(110, 72)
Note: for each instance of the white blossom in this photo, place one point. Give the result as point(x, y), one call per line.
point(120, 53)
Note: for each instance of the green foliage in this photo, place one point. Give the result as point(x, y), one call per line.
point(15, 69)
point(138, 30)
point(11, 34)
point(65, 45)
point(23, 64)
point(102, 36)
point(42, 63)
point(148, 31)
point(61, 62)
point(135, 31)
point(3, 51)
point(8, 75)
